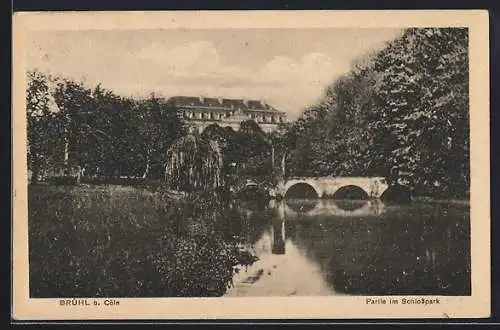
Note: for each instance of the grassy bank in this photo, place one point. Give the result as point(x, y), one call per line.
point(103, 241)
point(432, 200)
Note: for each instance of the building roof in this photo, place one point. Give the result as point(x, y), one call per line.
point(223, 103)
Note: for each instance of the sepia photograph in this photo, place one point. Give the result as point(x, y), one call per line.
point(253, 161)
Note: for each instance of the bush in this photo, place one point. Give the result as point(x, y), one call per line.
point(125, 242)
point(62, 180)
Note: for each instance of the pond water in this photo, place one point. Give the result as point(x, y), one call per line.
point(345, 247)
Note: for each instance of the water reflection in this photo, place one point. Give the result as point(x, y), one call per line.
point(283, 269)
point(329, 207)
point(301, 205)
point(360, 247)
point(278, 236)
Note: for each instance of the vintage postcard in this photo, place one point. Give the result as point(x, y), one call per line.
point(251, 165)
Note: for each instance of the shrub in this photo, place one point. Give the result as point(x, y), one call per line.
point(125, 242)
point(62, 180)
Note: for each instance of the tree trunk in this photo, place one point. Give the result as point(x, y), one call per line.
point(35, 168)
point(272, 157)
point(66, 157)
point(148, 164)
point(34, 174)
point(283, 162)
point(79, 175)
point(66, 148)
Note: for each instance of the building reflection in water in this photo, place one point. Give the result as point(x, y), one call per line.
point(278, 236)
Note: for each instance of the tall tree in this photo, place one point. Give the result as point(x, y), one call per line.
point(194, 164)
point(42, 123)
point(253, 149)
point(423, 107)
point(159, 126)
point(101, 132)
point(73, 100)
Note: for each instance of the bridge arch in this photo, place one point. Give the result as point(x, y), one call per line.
point(337, 187)
point(351, 191)
point(302, 189)
point(251, 190)
point(397, 194)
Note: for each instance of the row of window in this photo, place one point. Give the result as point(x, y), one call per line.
point(267, 119)
point(205, 115)
point(220, 116)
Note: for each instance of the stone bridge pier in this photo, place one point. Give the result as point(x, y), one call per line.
point(373, 187)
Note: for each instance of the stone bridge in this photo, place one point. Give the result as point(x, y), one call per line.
point(374, 187)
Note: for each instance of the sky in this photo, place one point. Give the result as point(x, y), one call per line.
point(287, 68)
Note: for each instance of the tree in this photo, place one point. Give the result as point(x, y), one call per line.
point(101, 129)
point(73, 100)
point(252, 149)
point(159, 126)
point(280, 150)
point(423, 107)
point(215, 132)
point(43, 127)
point(194, 164)
point(399, 113)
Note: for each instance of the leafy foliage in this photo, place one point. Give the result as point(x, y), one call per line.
point(194, 164)
point(43, 127)
point(401, 113)
point(158, 127)
point(250, 149)
point(71, 125)
point(117, 242)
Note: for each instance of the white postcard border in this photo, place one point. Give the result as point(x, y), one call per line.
point(476, 305)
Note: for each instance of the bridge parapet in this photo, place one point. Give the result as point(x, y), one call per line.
point(374, 187)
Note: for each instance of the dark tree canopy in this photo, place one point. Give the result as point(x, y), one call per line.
point(71, 125)
point(399, 113)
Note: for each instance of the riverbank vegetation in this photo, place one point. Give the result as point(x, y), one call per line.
point(113, 241)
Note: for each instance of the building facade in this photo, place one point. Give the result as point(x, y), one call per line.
point(201, 112)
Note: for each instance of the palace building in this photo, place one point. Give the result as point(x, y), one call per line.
point(200, 112)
